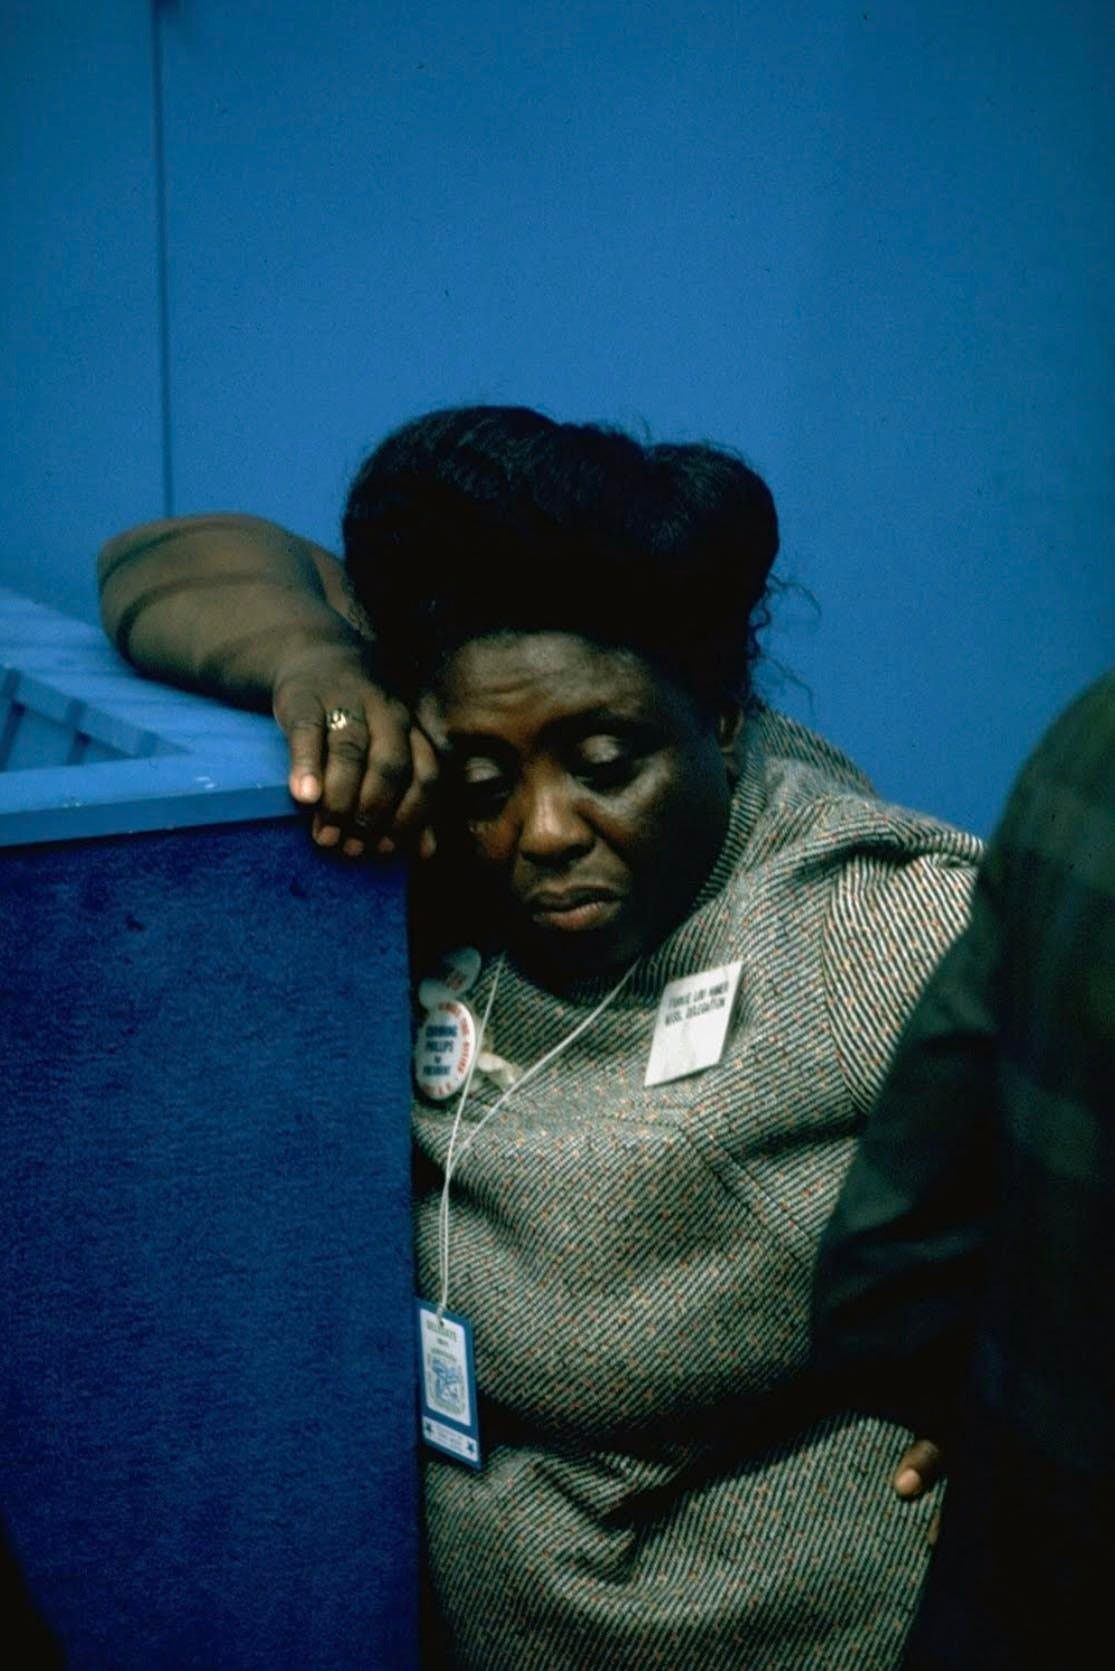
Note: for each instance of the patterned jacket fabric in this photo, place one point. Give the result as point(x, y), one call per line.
point(664, 1484)
point(968, 1278)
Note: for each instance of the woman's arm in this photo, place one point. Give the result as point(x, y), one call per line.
point(241, 609)
point(216, 602)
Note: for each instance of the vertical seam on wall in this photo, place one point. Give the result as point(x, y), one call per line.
point(162, 254)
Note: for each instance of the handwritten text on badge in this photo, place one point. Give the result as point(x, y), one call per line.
point(692, 1023)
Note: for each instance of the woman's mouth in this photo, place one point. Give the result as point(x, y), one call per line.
point(574, 912)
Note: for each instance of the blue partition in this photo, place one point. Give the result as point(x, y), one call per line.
point(206, 1392)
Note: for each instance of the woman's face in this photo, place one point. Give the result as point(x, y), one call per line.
point(593, 791)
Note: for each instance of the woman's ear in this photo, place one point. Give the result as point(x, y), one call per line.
point(729, 734)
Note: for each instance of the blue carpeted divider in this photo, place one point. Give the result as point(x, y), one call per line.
point(207, 1451)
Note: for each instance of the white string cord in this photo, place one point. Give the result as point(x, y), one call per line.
point(443, 1209)
point(453, 1158)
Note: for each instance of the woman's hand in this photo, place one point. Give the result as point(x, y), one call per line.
point(920, 1466)
point(370, 774)
point(240, 608)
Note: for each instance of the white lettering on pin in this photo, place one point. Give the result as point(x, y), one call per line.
point(691, 1026)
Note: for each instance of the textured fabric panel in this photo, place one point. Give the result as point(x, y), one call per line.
point(792, 1554)
point(636, 1265)
point(207, 1451)
point(883, 939)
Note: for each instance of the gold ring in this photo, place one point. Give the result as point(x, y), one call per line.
point(337, 718)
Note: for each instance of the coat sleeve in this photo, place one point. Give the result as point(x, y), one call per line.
point(903, 1251)
point(891, 920)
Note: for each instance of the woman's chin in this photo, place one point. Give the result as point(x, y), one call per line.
point(584, 943)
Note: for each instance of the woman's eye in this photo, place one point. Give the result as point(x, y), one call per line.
point(483, 787)
point(605, 762)
point(479, 773)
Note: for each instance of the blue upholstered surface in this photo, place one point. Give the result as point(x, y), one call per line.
point(207, 1408)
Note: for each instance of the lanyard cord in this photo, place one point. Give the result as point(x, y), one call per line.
point(454, 1157)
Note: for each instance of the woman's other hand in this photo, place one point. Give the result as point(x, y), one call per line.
point(356, 755)
point(919, 1468)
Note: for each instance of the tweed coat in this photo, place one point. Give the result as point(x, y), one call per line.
point(663, 1484)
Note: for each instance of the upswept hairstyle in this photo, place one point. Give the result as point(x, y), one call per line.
point(481, 519)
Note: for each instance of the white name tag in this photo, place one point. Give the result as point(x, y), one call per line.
point(692, 1023)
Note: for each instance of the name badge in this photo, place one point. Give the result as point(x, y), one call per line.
point(691, 1026)
point(447, 1384)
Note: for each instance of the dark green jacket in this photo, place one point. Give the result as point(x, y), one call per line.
point(966, 1283)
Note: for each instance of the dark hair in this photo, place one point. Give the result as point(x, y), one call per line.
point(482, 519)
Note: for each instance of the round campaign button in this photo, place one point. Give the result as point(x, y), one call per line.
point(458, 969)
point(454, 975)
point(432, 991)
point(444, 1049)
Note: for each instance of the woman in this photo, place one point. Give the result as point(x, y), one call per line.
point(556, 711)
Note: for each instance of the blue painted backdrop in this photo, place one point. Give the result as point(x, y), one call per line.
point(870, 244)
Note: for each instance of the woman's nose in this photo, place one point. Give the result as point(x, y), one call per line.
point(553, 831)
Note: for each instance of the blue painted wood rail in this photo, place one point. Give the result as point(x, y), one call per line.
point(163, 758)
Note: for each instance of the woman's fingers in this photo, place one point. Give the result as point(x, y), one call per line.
point(412, 828)
point(920, 1467)
point(313, 684)
point(350, 747)
point(305, 738)
point(367, 772)
point(409, 828)
point(348, 743)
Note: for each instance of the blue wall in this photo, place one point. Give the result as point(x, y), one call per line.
point(869, 244)
point(79, 384)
